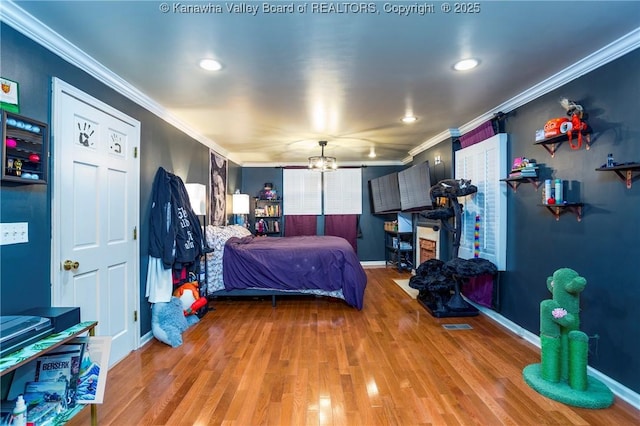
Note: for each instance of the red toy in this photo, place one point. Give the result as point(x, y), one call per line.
point(200, 303)
point(576, 112)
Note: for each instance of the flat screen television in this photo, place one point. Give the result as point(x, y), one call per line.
point(385, 194)
point(414, 184)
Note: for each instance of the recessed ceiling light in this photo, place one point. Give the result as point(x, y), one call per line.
point(465, 64)
point(210, 65)
point(409, 119)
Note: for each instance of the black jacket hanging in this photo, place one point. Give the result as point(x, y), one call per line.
point(175, 235)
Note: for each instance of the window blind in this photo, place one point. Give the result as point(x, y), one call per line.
point(301, 192)
point(343, 191)
point(484, 163)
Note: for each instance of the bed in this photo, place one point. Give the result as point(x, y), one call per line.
point(245, 265)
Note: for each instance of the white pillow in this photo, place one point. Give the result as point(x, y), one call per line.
point(217, 236)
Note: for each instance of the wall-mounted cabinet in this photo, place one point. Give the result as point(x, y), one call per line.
point(24, 149)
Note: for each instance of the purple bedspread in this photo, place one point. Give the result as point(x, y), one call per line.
point(294, 263)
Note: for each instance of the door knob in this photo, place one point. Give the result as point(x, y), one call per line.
point(70, 264)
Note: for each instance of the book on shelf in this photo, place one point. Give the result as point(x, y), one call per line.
point(48, 393)
point(93, 369)
point(44, 413)
point(61, 364)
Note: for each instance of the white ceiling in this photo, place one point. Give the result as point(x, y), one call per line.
point(292, 79)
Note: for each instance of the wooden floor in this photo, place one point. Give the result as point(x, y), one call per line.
point(317, 361)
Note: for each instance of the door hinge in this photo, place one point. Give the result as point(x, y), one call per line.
point(135, 152)
point(135, 316)
point(135, 232)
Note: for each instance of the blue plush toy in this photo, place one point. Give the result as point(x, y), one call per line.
point(168, 321)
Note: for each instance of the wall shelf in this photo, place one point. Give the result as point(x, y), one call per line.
point(514, 182)
point(558, 209)
point(552, 144)
point(624, 171)
point(33, 351)
point(24, 149)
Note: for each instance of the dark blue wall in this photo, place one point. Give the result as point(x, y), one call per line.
point(606, 244)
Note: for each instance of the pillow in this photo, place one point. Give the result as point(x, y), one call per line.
point(168, 321)
point(217, 236)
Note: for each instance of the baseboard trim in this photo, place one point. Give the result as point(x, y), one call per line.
point(618, 389)
point(373, 264)
point(146, 339)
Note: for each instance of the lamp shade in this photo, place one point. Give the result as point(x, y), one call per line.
point(197, 197)
point(240, 203)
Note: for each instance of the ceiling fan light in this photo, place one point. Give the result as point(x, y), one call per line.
point(466, 64)
point(210, 64)
point(321, 163)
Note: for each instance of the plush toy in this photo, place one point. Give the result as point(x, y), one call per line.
point(189, 295)
point(168, 321)
point(578, 126)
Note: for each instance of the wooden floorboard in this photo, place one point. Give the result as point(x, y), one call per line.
point(317, 361)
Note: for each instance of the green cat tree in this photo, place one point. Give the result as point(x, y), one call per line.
point(562, 373)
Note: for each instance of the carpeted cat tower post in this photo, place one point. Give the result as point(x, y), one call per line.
point(562, 372)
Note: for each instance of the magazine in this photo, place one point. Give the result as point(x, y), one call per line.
point(93, 369)
point(59, 364)
point(47, 392)
point(62, 365)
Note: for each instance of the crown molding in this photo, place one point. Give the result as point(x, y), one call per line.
point(449, 133)
point(603, 56)
point(29, 26)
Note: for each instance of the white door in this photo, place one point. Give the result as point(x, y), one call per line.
point(95, 215)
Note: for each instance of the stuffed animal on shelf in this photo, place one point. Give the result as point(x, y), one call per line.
point(577, 126)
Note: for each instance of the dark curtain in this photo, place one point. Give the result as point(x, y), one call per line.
point(480, 133)
point(295, 225)
point(480, 289)
point(343, 225)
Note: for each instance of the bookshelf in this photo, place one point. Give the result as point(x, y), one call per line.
point(270, 212)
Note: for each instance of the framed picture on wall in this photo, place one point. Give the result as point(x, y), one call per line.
point(9, 95)
point(218, 188)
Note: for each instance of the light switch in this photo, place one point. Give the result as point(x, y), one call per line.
point(14, 233)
